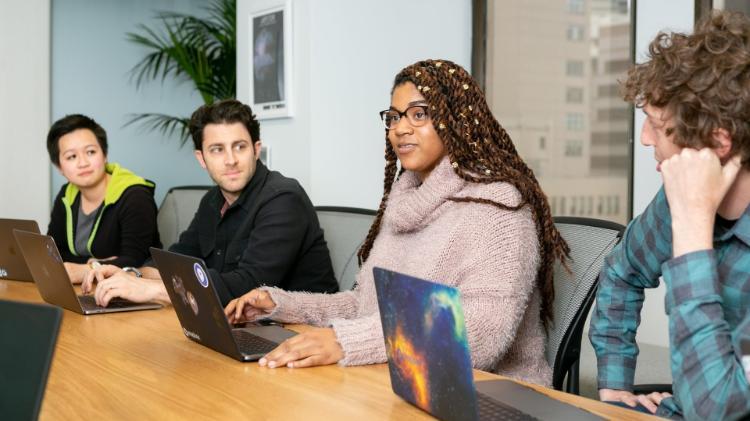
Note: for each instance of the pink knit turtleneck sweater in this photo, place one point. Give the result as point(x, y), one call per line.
point(490, 255)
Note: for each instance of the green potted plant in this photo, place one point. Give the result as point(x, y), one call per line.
point(188, 48)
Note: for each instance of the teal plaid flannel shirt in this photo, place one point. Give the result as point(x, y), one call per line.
point(707, 302)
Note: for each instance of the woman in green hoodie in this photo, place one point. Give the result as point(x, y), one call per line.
point(104, 212)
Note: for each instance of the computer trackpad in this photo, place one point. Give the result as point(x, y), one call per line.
point(532, 402)
point(273, 333)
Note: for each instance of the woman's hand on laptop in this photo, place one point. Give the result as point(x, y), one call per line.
point(98, 274)
point(255, 303)
point(317, 346)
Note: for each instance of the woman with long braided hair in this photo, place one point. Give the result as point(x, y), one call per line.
point(464, 210)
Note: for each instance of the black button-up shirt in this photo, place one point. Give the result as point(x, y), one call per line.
point(269, 236)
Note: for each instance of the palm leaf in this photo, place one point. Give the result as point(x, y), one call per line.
point(198, 50)
point(167, 125)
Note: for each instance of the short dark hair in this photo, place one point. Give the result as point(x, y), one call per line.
point(68, 124)
point(226, 111)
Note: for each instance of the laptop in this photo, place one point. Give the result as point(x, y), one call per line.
point(430, 363)
point(46, 265)
point(30, 333)
point(12, 265)
point(201, 314)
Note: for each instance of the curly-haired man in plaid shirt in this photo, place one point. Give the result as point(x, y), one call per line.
point(695, 234)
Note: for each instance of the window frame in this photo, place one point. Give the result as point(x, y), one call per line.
point(479, 69)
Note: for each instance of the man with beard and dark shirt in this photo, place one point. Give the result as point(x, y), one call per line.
point(254, 228)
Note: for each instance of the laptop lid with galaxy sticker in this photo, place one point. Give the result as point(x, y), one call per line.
point(425, 340)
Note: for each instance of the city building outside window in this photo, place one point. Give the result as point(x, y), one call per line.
point(558, 97)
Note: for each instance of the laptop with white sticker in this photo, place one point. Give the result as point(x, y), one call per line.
point(201, 314)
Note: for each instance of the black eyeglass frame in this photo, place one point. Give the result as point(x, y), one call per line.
point(402, 114)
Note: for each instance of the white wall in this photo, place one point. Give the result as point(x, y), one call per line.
point(24, 109)
point(652, 17)
point(346, 54)
point(90, 62)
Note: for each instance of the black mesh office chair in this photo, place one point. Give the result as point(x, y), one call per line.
point(345, 230)
point(590, 241)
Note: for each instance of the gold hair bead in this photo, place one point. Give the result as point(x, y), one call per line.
point(419, 88)
point(418, 73)
point(425, 89)
point(470, 109)
point(476, 121)
point(466, 86)
point(451, 71)
point(442, 126)
point(438, 64)
point(488, 172)
point(455, 164)
point(433, 108)
point(462, 115)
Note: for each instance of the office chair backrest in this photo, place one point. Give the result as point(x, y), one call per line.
point(345, 230)
point(177, 210)
point(28, 333)
point(590, 241)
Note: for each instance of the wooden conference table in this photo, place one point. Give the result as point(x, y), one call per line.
point(139, 365)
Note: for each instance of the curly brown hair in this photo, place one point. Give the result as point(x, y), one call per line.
point(702, 80)
point(480, 151)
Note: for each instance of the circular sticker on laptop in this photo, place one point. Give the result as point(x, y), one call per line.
point(201, 275)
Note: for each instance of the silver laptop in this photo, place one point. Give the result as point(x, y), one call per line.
point(12, 265)
point(46, 265)
point(201, 314)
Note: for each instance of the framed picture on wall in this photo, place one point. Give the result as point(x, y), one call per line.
point(270, 58)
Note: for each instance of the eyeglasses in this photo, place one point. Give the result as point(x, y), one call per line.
point(416, 115)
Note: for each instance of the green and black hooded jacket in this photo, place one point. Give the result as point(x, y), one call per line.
point(125, 225)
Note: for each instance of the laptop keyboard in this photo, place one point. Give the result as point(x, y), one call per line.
point(252, 344)
point(88, 302)
point(490, 409)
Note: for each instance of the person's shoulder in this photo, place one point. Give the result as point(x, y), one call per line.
point(278, 183)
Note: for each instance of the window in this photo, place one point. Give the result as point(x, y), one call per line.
point(574, 121)
point(575, 33)
point(576, 7)
point(607, 91)
point(574, 148)
point(574, 67)
point(613, 114)
point(617, 66)
point(573, 95)
point(566, 116)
